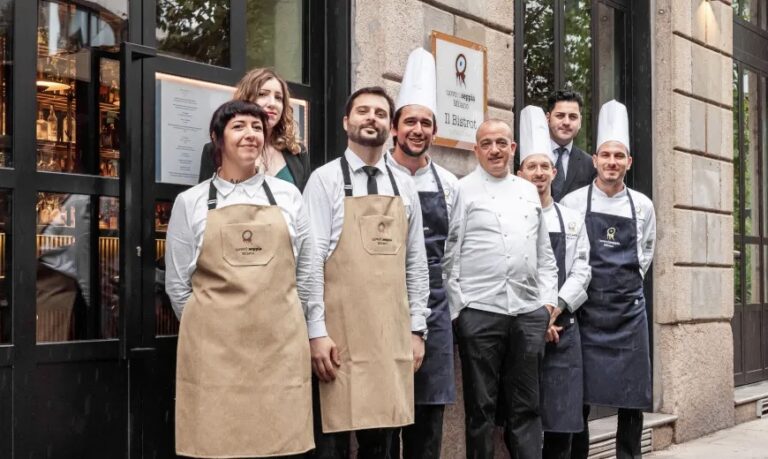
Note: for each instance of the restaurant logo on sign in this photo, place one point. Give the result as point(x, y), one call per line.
point(461, 70)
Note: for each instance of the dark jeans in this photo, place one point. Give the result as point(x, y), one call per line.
point(423, 438)
point(493, 348)
point(557, 445)
point(629, 433)
point(372, 443)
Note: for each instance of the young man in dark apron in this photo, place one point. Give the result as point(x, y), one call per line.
point(621, 224)
point(370, 276)
point(561, 379)
point(412, 131)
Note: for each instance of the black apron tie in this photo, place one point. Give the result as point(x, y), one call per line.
point(559, 181)
point(371, 172)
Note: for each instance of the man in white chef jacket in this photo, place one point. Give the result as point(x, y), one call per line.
point(621, 224)
point(561, 380)
point(502, 287)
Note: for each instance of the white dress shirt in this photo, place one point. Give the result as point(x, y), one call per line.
point(424, 180)
point(578, 273)
point(619, 205)
point(324, 199)
point(498, 255)
point(186, 229)
point(566, 156)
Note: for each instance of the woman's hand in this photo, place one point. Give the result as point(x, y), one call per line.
point(325, 358)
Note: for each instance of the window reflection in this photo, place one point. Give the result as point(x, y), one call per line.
point(6, 60)
point(5, 265)
point(538, 51)
point(275, 36)
point(752, 278)
point(750, 152)
point(194, 29)
point(77, 286)
point(166, 322)
point(577, 57)
point(67, 128)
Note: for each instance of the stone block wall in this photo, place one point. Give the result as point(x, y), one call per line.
point(693, 195)
point(385, 32)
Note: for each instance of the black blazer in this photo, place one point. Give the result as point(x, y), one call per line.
point(297, 164)
point(581, 172)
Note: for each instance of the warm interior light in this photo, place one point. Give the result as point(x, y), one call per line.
point(49, 85)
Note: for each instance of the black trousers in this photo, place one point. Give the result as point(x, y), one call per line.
point(372, 443)
point(557, 445)
point(493, 348)
point(629, 433)
point(422, 439)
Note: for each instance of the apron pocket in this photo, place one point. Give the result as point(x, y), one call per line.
point(248, 244)
point(379, 235)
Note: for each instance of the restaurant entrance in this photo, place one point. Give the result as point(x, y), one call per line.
point(87, 337)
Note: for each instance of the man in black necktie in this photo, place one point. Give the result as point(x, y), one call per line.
point(574, 167)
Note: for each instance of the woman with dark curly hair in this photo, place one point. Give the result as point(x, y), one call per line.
point(285, 157)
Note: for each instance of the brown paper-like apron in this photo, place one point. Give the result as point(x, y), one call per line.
point(367, 315)
point(243, 371)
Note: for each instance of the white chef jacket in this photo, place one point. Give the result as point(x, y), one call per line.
point(186, 229)
point(324, 199)
point(424, 180)
point(498, 255)
point(619, 205)
point(578, 273)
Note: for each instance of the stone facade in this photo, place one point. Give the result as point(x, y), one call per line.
point(693, 195)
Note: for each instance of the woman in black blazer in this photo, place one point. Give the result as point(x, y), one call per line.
point(285, 157)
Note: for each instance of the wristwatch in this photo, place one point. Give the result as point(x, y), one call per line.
point(421, 333)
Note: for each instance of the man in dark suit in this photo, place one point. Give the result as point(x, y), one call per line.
point(574, 167)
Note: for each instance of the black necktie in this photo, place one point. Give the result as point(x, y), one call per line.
point(559, 181)
point(371, 172)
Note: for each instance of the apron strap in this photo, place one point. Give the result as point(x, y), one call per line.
point(560, 218)
point(213, 200)
point(348, 181)
point(437, 177)
point(629, 196)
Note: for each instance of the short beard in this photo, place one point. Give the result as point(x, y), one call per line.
point(379, 140)
point(407, 150)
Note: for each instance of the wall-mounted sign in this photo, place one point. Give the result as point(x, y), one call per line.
point(462, 89)
point(183, 115)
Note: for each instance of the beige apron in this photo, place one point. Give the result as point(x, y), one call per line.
point(243, 371)
point(367, 315)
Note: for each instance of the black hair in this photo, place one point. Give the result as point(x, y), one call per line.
point(376, 91)
point(564, 96)
point(399, 112)
point(226, 112)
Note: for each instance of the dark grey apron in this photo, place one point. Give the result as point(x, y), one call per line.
point(561, 379)
point(613, 322)
point(434, 382)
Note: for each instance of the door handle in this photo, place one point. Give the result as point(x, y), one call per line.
point(141, 352)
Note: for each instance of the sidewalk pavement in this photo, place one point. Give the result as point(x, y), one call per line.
point(747, 440)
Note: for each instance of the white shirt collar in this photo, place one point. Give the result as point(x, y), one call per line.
point(420, 171)
point(555, 146)
point(356, 163)
point(596, 191)
point(250, 186)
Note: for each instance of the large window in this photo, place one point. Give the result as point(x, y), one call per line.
point(573, 44)
point(198, 30)
point(6, 59)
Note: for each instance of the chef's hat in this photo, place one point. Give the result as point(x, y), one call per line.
point(534, 134)
point(613, 124)
point(419, 85)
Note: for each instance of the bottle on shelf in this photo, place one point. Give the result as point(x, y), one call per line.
point(53, 125)
point(41, 127)
point(69, 128)
point(114, 93)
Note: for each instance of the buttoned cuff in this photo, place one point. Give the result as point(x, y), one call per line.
point(316, 329)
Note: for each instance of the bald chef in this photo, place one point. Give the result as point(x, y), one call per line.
point(413, 130)
point(561, 380)
point(621, 224)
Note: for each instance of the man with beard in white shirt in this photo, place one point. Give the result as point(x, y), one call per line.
point(502, 288)
point(369, 288)
point(561, 379)
point(621, 224)
point(413, 129)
